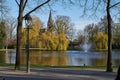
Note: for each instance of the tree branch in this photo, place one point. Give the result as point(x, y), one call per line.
point(17, 2)
point(114, 5)
point(104, 1)
point(25, 4)
point(36, 8)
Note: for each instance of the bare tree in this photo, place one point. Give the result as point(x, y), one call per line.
point(109, 19)
point(22, 7)
point(11, 24)
point(94, 8)
point(3, 9)
point(71, 33)
point(11, 27)
point(63, 24)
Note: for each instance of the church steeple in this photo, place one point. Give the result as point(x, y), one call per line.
point(50, 24)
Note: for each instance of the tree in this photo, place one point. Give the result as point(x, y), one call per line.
point(96, 7)
point(48, 42)
point(80, 36)
point(95, 36)
point(116, 36)
point(52, 41)
point(3, 9)
point(109, 59)
point(91, 30)
point(71, 33)
point(34, 33)
point(22, 7)
point(100, 41)
point(103, 25)
point(11, 25)
point(62, 42)
point(2, 35)
point(63, 25)
point(63, 30)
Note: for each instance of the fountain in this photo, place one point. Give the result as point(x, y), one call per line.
point(86, 45)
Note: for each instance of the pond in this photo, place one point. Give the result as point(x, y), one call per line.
point(62, 58)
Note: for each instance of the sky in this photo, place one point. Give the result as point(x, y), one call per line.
point(73, 12)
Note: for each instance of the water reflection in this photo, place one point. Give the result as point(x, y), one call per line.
point(2, 57)
point(52, 58)
point(87, 58)
point(62, 58)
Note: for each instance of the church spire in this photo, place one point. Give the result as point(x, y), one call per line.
point(50, 24)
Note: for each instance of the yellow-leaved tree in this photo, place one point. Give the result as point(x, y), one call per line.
point(34, 33)
point(62, 42)
point(101, 41)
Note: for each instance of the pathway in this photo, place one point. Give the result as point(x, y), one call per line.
point(8, 73)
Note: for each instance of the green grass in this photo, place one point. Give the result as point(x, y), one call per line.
point(41, 49)
point(3, 64)
point(7, 49)
point(47, 66)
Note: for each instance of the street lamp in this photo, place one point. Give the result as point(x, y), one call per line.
point(28, 22)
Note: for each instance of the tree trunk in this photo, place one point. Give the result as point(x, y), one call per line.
point(21, 6)
point(109, 59)
point(19, 35)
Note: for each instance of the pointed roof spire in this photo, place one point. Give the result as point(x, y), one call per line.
point(50, 15)
point(50, 24)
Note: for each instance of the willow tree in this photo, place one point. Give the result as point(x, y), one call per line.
point(21, 15)
point(34, 33)
point(100, 41)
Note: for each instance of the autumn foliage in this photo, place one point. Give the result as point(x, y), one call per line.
point(46, 40)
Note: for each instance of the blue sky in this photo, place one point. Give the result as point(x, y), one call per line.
point(73, 12)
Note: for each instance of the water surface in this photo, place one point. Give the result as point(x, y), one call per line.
point(62, 58)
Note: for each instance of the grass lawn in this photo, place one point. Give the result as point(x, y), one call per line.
point(47, 66)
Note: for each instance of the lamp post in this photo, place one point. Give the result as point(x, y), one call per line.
point(28, 22)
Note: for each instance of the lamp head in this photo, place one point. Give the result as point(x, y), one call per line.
point(28, 21)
